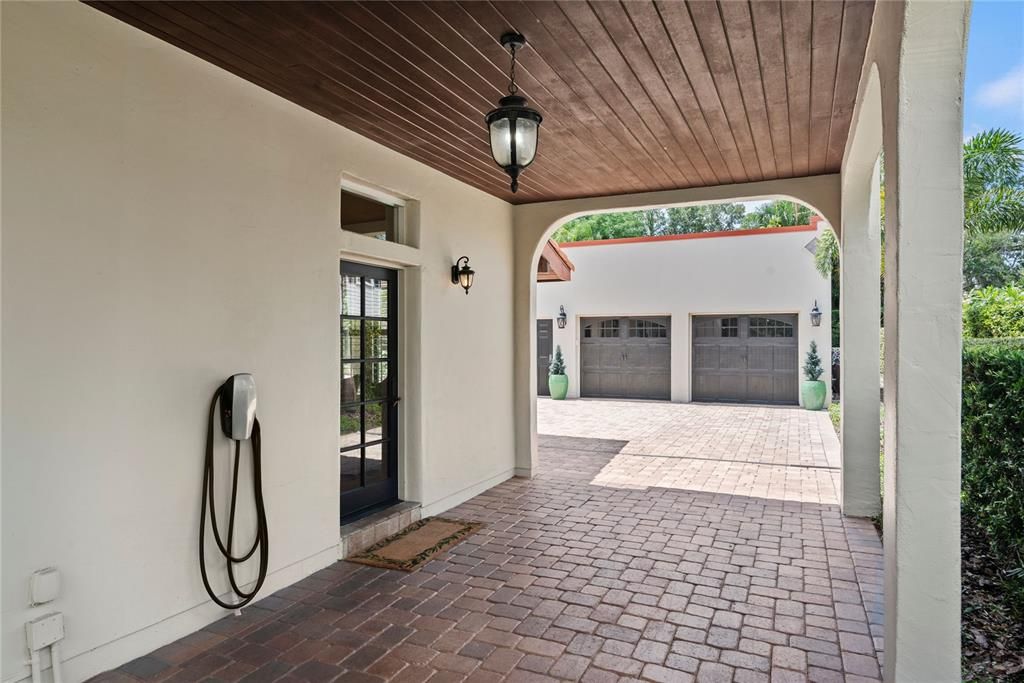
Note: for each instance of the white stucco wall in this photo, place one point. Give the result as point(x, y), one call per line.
point(166, 224)
point(743, 274)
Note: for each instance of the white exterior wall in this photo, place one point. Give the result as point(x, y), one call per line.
point(741, 274)
point(166, 224)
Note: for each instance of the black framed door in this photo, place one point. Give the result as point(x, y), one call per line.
point(544, 346)
point(368, 446)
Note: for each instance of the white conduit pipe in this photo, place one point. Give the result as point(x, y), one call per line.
point(37, 676)
point(58, 675)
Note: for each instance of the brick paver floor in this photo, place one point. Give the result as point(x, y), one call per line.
point(603, 567)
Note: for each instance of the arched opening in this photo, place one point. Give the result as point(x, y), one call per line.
point(643, 313)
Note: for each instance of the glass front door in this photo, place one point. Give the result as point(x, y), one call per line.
point(369, 383)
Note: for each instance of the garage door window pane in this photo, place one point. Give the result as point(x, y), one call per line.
point(730, 327)
point(609, 328)
point(647, 329)
point(769, 327)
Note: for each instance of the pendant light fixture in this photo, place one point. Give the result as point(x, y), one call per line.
point(513, 126)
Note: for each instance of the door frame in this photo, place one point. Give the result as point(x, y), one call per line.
point(386, 492)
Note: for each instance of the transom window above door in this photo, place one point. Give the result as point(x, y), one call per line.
point(370, 217)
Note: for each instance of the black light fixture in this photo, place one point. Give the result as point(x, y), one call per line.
point(815, 315)
point(463, 276)
point(562, 317)
point(513, 126)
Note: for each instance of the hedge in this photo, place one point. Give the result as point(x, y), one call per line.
point(994, 312)
point(993, 450)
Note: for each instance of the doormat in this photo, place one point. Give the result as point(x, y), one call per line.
point(416, 544)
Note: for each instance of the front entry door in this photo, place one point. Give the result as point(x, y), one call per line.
point(544, 341)
point(369, 382)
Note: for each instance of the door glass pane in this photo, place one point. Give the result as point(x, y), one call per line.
point(350, 342)
point(376, 417)
point(376, 293)
point(376, 339)
point(350, 389)
point(351, 294)
point(351, 435)
point(376, 381)
point(350, 462)
point(730, 327)
point(376, 466)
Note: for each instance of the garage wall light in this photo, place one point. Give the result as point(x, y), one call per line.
point(815, 315)
point(562, 317)
point(463, 276)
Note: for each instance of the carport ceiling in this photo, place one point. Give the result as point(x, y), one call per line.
point(636, 96)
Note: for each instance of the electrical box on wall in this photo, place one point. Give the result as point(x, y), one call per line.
point(45, 631)
point(44, 586)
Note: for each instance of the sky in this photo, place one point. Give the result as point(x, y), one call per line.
point(994, 88)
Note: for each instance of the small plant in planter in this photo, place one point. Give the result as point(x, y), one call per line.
point(558, 381)
point(813, 390)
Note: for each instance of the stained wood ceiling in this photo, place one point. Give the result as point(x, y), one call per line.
point(636, 96)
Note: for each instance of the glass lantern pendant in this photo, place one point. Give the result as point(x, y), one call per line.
point(513, 126)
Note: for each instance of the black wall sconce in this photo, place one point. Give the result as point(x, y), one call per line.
point(562, 317)
point(463, 276)
point(815, 315)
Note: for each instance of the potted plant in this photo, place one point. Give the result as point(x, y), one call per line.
point(813, 390)
point(558, 381)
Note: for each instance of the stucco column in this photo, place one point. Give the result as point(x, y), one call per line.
point(859, 312)
point(922, 94)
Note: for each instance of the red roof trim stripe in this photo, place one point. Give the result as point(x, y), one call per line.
point(694, 236)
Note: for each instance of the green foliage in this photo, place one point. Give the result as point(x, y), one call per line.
point(812, 364)
point(826, 255)
point(994, 182)
point(778, 213)
point(994, 312)
point(993, 259)
point(992, 451)
point(680, 220)
point(557, 366)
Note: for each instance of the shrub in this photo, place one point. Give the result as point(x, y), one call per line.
point(557, 366)
point(994, 312)
point(812, 364)
point(992, 451)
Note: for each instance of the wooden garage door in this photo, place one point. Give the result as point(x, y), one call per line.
point(625, 358)
point(748, 359)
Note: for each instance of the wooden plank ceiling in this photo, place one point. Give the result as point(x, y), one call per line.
point(636, 95)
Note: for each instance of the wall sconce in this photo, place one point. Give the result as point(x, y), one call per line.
point(463, 276)
point(562, 317)
point(815, 315)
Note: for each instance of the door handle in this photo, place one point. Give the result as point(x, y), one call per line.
point(395, 400)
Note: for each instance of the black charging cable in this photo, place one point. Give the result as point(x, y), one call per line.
point(262, 537)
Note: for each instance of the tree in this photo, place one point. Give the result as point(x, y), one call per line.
point(993, 259)
point(776, 214)
point(557, 365)
point(705, 218)
point(812, 364)
point(994, 182)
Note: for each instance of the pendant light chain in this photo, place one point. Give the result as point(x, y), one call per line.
point(512, 87)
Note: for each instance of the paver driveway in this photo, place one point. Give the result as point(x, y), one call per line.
point(604, 567)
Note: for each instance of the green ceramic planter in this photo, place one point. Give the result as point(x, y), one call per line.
point(558, 385)
point(813, 393)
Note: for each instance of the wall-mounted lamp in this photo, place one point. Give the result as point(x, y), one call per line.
point(463, 276)
point(562, 317)
point(815, 315)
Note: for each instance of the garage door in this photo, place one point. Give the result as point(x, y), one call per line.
point(625, 358)
point(749, 359)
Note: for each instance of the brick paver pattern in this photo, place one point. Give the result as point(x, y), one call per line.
point(658, 542)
